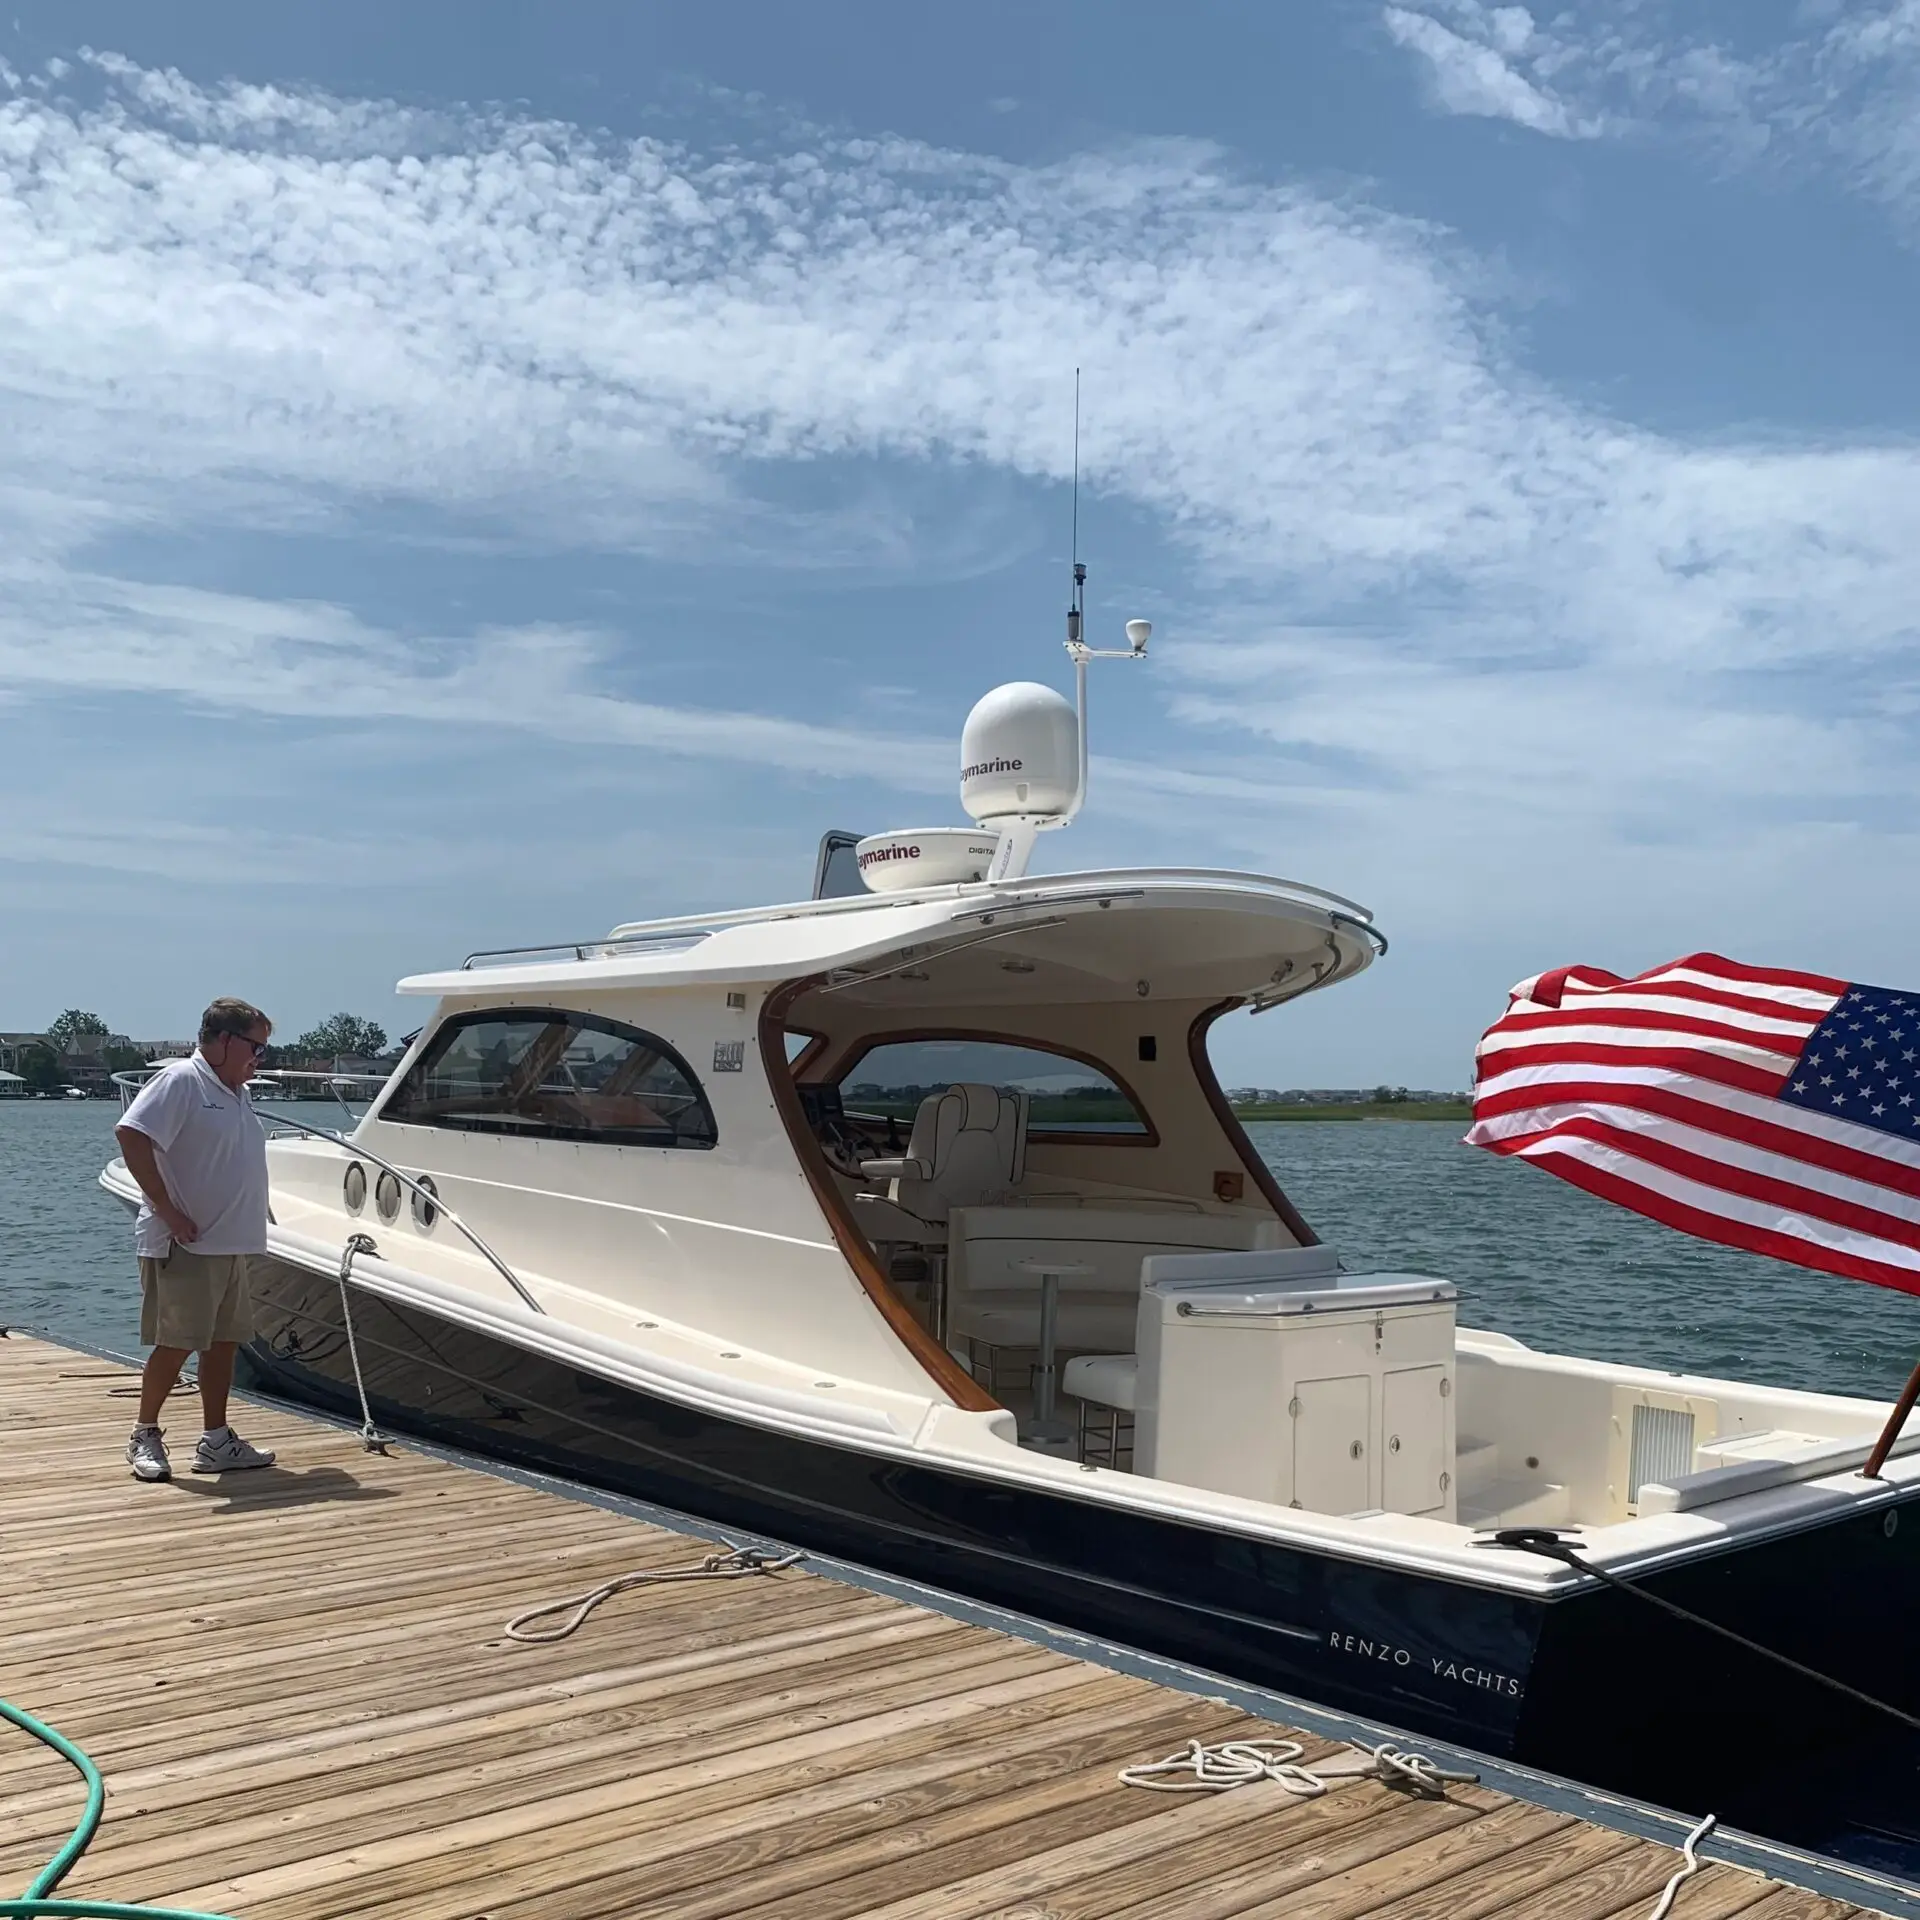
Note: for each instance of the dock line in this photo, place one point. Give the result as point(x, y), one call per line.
point(731, 1565)
point(1547, 1542)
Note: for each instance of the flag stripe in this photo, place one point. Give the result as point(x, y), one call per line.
point(1642, 1014)
point(1757, 1069)
point(1683, 996)
point(1715, 971)
point(1790, 1132)
point(1701, 1211)
point(1736, 1165)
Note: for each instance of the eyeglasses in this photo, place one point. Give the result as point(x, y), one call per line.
point(255, 1047)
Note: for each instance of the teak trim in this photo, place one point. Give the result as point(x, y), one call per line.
point(845, 1062)
point(945, 1371)
point(1258, 1170)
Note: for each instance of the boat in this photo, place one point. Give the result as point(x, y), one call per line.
point(911, 1225)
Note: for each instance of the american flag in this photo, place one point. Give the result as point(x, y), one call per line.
point(1760, 1108)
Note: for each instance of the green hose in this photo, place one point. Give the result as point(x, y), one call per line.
point(36, 1904)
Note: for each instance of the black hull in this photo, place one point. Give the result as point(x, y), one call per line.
point(1598, 1686)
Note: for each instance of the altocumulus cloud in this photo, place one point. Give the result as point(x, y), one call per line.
point(1433, 577)
point(1834, 95)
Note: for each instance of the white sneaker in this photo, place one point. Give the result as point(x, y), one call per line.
point(147, 1455)
point(224, 1451)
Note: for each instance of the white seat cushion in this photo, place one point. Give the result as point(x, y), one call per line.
point(1109, 1378)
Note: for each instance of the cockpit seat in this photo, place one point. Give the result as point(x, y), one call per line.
point(968, 1148)
point(1108, 1378)
point(1105, 1385)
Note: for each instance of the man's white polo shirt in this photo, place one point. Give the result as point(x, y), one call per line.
point(212, 1155)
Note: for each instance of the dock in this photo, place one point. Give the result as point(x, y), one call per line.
point(298, 1687)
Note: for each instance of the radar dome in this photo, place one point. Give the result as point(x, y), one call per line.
point(1019, 753)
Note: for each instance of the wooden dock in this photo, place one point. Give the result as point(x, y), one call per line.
point(296, 1684)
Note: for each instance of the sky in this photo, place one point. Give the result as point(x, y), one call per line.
point(473, 474)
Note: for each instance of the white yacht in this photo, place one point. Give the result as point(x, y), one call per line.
point(912, 1225)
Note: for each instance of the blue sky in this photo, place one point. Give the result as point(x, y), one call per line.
point(472, 474)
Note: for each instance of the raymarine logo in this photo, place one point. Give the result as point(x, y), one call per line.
point(980, 767)
point(888, 853)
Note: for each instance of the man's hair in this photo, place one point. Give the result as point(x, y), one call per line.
point(231, 1016)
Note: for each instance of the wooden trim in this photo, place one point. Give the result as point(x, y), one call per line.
point(946, 1372)
point(817, 1044)
point(1258, 1170)
point(1036, 1136)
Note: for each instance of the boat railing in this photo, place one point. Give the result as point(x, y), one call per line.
point(129, 1081)
point(606, 947)
point(1041, 889)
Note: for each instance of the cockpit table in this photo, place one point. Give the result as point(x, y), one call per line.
point(1045, 1432)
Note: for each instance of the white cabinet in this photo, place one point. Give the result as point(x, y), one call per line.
point(1335, 1398)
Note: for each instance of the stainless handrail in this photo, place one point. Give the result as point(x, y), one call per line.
point(130, 1080)
point(605, 947)
point(1092, 880)
point(430, 1195)
point(1355, 1302)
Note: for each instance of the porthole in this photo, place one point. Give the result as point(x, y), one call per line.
point(353, 1189)
point(425, 1213)
point(386, 1196)
point(1890, 1525)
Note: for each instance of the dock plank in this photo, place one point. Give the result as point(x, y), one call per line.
point(329, 1635)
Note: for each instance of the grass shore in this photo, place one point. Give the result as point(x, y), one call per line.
point(1360, 1110)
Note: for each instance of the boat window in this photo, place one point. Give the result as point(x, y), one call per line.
point(553, 1075)
point(1066, 1096)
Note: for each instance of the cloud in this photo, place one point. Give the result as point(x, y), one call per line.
point(1477, 66)
point(1836, 98)
point(96, 634)
point(1439, 614)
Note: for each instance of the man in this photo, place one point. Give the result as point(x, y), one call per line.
point(192, 1143)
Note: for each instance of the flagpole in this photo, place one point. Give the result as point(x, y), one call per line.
point(1891, 1431)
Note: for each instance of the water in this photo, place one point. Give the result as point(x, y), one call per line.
point(1533, 1257)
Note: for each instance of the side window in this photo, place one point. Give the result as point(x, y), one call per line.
point(553, 1076)
point(1065, 1096)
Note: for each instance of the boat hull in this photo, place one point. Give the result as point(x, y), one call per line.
point(1596, 1685)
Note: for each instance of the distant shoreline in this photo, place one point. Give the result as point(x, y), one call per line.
point(1357, 1110)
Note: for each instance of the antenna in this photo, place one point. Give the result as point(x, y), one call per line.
point(1076, 611)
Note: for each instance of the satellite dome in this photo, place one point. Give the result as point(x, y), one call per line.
point(924, 857)
point(1020, 753)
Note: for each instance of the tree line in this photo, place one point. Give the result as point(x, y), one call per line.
point(342, 1035)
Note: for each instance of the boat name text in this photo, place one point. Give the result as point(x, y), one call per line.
point(1484, 1678)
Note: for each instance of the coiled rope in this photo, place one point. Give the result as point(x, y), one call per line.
point(1200, 1768)
point(1227, 1764)
point(734, 1564)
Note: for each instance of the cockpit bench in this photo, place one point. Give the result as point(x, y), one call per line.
point(993, 1304)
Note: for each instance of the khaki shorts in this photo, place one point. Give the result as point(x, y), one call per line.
point(195, 1299)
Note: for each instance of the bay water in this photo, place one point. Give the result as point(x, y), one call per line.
point(1533, 1257)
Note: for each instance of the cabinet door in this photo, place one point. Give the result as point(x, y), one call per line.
point(1414, 1422)
point(1331, 1438)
